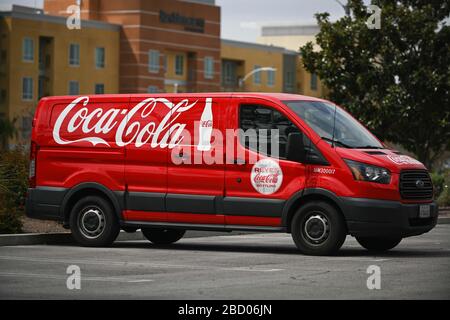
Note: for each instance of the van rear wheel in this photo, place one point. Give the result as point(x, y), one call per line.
point(378, 244)
point(163, 236)
point(93, 222)
point(318, 229)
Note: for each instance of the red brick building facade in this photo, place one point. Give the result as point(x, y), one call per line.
point(165, 45)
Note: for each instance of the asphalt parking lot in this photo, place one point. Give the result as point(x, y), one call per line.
point(249, 266)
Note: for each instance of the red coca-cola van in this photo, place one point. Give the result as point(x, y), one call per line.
point(168, 163)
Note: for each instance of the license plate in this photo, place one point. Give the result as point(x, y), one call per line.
point(424, 211)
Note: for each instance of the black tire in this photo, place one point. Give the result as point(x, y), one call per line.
point(378, 244)
point(163, 236)
point(93, 222)
point(318, 229)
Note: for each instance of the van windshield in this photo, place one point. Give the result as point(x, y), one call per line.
point(334, 125)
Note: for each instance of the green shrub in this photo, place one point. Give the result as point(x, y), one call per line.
point(444, 198)
point(10, 220)
point(13, 188)
point(438, 183)
point(14, 175)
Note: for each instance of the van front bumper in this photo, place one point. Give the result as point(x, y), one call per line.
point(375, 218)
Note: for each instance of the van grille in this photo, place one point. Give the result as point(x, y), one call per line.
point(416, 184)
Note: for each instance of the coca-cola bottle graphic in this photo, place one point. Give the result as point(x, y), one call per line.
point(205, 127)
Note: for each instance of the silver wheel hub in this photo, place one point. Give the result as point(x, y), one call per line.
point(91, 222)
point(316, 228)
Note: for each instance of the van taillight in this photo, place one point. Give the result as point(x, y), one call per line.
point(32, 172)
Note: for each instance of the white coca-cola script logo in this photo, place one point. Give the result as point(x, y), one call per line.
point(98, 122)
point(266, 176)
point(206, 124)
point(403, 159)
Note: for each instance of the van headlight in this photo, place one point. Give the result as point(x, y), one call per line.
point(366, 172)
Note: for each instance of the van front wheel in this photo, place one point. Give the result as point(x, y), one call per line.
point(318, 229)
point(378, 243)
point(163, 236)
point(93, 222)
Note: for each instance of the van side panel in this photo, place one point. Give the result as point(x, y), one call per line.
point(245, 201)
point(196, 170)
point(159, 181)
point(66, 159)
point(146, 161)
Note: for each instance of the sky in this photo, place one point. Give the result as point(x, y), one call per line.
point(242, 19)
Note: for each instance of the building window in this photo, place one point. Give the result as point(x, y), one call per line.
point(41, 85)
point(313, 81)
point(165, 63)
point(270, 77)
point(209, 67)
point(99, 57)
point(74, 54)
point(3, 57)
point(179, 64)
point(28, 50)
point(229, 73)
point(2, 96)
point(152, 89)
point(257, 75)
point(27, 88)
point(289, 80)
point(74, 88)
point(99, 88)
point(153, 61)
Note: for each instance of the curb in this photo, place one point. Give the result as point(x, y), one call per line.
point(27, 239)
point(443, 220)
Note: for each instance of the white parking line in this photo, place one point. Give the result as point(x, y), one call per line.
point(84, 278)
point(356, 259)
point(142, 264)
point(381, 260)
point(254, 269)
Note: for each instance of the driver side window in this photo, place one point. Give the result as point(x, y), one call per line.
point(261, 125)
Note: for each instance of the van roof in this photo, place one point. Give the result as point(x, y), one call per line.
point(279, 96)
point(266, 95)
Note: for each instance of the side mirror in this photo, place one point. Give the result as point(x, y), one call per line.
point(295, 147)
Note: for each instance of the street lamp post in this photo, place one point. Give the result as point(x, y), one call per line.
point(241, 81)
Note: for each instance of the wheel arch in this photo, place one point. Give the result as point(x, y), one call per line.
point(307, 195)
point(91, 188)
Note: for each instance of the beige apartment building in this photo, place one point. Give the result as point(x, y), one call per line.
point(292, 38)
point(241, 60)
point(40, 56)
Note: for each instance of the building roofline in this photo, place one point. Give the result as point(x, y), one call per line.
point(258, 46)
point(205, 2)
point(26, 13)
point(290, 30)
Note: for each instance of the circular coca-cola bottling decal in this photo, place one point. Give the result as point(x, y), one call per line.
point(266, 176)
